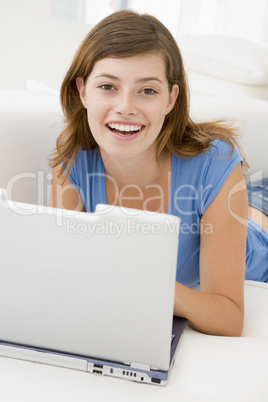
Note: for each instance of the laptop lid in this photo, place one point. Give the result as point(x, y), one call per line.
point(98, 285)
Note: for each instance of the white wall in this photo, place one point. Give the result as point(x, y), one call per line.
point(23, 8)
point(35, 45)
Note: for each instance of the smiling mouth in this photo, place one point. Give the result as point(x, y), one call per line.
point(124, 130)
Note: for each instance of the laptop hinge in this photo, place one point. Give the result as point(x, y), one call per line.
point(140, 366)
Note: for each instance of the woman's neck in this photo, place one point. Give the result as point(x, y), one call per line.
point(141, 183)
point(142, 170)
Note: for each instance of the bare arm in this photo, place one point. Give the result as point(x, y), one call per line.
point(63, 194)
point(218, 309)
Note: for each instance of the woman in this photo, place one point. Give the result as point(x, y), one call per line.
point(129, 141)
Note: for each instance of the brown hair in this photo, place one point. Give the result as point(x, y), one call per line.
point(125, 34)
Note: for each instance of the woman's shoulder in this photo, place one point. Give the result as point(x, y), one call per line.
point(221, 148)
point(207, 169)
point(218, 150)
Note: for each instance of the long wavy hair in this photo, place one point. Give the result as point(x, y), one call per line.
point(125, 34)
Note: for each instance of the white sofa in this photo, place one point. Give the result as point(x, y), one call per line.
point(207, 368)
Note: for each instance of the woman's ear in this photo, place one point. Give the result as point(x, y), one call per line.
point(173, 97)
point(80, 83)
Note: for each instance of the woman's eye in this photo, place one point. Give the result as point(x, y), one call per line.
point(106, 87)
point(149, 91)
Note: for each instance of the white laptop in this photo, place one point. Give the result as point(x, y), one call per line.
point(91, 292)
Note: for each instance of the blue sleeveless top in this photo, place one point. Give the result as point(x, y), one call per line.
point(195, 181)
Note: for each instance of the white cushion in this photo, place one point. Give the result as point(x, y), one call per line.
point(203, 84)
point(229, 58)
point(40, 87)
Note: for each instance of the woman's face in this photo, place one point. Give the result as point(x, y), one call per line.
point(127, 100)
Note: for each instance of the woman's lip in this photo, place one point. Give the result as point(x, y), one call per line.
point(125, 123)
point(126, 137)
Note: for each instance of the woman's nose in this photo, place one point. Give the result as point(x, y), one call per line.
point(126, 104)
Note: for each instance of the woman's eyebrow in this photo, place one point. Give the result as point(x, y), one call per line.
point(140, 80)
point(145, 79)
point(112, 77)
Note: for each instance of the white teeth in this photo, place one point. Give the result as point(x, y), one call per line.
point(122, 127)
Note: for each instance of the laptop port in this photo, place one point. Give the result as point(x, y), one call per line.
point(97, 371)
point(156, 380)
point(100, 366)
